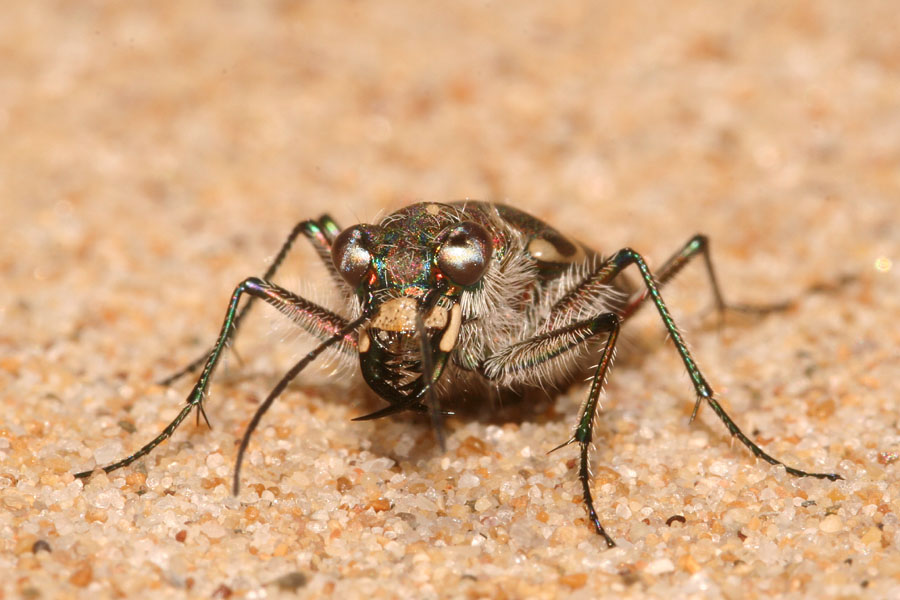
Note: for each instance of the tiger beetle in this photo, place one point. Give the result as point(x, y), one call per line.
point(466, 297)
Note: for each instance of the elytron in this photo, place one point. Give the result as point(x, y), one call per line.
point(463, 299)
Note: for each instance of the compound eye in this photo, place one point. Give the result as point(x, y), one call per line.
point(465, 253)
point(350, 256)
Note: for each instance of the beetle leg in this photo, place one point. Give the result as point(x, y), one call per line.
point(626, 257)
point(325, 325)
point(529, 355)
point(344, 333)
point(321, 233)
point(524, 359)
point(699, 245)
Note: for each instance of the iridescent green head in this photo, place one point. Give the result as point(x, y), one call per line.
point(409, 272)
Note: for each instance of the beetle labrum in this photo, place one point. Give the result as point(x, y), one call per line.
point(465, 296)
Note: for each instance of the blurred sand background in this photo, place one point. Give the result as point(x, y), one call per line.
point(154, 154)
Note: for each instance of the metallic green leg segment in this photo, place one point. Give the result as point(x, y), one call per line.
point(699, 245)
point(611, 324)
point(531, 353)
point(584, 432)
point(166, 434)
point(320, 321)
point(321, 233)
point(613, 267)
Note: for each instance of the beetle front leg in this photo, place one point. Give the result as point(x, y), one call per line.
point(322, 323)
point(321, 233)
point(525, 361)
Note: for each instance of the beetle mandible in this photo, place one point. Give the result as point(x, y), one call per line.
point(466, 296)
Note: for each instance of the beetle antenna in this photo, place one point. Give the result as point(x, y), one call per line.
point(280, 386)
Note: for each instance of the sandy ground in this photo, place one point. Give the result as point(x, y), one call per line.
point(151, 157)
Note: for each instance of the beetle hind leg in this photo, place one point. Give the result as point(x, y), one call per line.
point(698, 245)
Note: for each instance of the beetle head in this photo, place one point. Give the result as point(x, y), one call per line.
point(409, 273)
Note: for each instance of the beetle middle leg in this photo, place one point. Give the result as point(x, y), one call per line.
point(321, 233)
point(328, 327)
